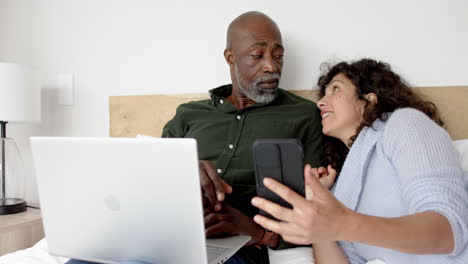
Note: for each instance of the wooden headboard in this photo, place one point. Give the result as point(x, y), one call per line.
point(147, 114)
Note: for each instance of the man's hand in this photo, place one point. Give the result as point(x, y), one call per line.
point(214, 189)
point(230, 221)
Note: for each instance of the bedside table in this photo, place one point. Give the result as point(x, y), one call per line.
point(20, 231)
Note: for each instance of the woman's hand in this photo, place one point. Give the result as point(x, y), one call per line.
point(316, 218)
point(326, 176)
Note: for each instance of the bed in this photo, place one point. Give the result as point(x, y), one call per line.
point(147, 114)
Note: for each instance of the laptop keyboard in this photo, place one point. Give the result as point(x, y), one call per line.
point(214, 252)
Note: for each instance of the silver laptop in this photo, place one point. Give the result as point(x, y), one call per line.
point(110, 199)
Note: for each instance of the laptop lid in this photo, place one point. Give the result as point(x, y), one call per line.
point(116, 199)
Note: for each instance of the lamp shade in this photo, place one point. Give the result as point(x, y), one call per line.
point(20, 94)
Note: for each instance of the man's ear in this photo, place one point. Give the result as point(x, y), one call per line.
point(372, 98)
point(229, 57)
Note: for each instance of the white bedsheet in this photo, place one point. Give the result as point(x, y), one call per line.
point(39, 254)
point(300, 255)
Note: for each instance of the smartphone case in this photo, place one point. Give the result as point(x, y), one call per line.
point(282, 160)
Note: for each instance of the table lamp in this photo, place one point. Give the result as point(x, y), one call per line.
point(20, 102)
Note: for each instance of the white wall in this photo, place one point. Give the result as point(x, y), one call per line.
point(121, 47)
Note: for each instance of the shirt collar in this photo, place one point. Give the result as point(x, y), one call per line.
point(219, 98)
point(221, 92)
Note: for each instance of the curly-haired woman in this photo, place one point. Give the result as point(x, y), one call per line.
point(401, 195)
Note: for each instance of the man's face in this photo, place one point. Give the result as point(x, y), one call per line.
point(258, 63)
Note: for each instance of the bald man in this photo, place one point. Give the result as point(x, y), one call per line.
point(225, 127)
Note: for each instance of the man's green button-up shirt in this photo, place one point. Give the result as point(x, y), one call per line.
point(225, 135)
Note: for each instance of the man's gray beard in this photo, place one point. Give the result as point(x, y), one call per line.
point(254, 91)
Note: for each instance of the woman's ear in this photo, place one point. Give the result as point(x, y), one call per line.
point(371, 98)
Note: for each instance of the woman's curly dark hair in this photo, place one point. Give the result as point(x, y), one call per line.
point(370, 76)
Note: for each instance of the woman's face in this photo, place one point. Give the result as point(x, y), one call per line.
point(341, 110)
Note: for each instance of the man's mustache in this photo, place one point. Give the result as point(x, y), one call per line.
point(267, 77)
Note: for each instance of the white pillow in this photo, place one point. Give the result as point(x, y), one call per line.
point(462, 147)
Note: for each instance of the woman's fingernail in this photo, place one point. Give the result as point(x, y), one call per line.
point(254, 201)
point(256, 219)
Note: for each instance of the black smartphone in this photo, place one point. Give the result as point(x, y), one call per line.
point(282, 160)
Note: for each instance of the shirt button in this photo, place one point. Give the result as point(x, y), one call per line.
point(221, 101)
point(219, 170)
point(231, 146)
point(238, 117)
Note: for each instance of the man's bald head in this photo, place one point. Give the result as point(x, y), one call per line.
point(254, 52)
point(249, 22)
